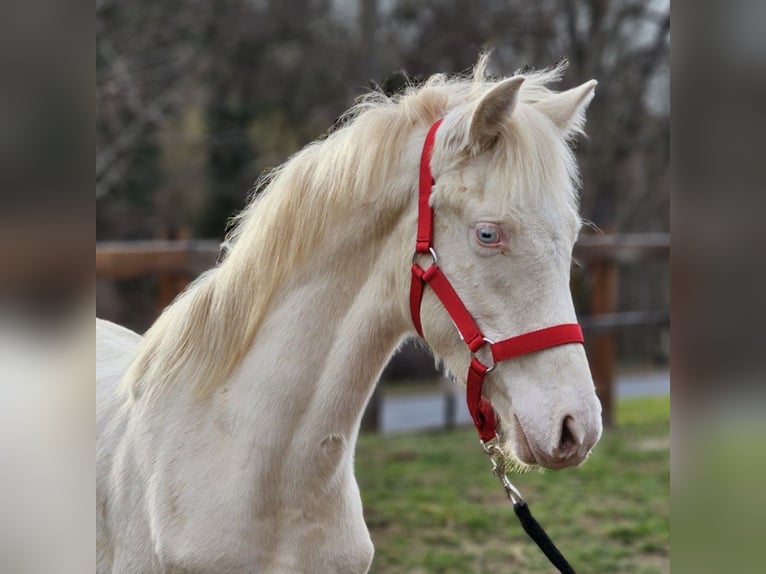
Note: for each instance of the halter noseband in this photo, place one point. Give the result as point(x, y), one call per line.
point(481, 411)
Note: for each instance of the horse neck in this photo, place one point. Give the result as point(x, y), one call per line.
point(331, 329)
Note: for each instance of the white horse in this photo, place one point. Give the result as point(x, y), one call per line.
point(226, 433)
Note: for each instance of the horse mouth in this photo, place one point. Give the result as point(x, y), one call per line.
point(520, 456)
point(520, 448)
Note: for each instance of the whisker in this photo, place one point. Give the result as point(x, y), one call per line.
point(593, 226)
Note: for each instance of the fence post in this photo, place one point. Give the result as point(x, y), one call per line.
point(601, 344)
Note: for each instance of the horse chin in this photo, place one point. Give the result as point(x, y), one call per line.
point(520, 457)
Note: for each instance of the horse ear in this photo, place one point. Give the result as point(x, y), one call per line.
point(567, 109)
point(495, 106)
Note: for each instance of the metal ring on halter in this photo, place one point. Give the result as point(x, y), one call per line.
point(432, 251)
point(489, 342)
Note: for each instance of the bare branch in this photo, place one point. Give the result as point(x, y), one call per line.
point(654, 54)
point(576, 46)
point(151, 114)
point(120, 69)
point(112, 177)
point(128, 79)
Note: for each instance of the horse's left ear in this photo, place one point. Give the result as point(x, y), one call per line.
point(567, 109)
point(491, 110)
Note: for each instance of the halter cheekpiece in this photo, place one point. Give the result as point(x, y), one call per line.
point(481, 411)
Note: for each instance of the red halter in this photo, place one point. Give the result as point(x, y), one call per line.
point(481, 411)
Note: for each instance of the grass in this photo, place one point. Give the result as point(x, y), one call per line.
point(432, 505)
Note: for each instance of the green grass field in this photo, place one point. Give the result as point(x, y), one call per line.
point(432, 504)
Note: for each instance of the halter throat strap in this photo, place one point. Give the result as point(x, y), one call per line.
point(478, 406)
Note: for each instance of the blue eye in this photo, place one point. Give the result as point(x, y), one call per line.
point(487, 235)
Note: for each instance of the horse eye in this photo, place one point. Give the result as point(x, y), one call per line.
point(487, 235)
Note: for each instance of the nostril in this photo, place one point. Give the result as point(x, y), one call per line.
point(568, 442)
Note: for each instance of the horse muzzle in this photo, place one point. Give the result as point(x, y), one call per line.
point(569, 444)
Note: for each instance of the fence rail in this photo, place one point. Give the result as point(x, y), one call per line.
point(133, 259)
point(622, 247)
point(177, 262)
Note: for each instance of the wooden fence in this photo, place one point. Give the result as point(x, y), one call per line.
point(602, 255)
point(177, 262)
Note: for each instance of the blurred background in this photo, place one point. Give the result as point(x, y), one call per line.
point(196, 99)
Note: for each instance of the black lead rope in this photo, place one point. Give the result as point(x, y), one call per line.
point(537, 533)
point(521, 508)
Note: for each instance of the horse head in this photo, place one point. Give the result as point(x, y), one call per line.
point(505, 222)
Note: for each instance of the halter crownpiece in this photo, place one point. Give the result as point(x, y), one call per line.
point(481, 411)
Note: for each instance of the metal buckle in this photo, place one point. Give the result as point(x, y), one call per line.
point(432, 251)
point(495, 454)
point(489, 368)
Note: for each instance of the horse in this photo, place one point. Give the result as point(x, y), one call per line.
point(226, 433)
